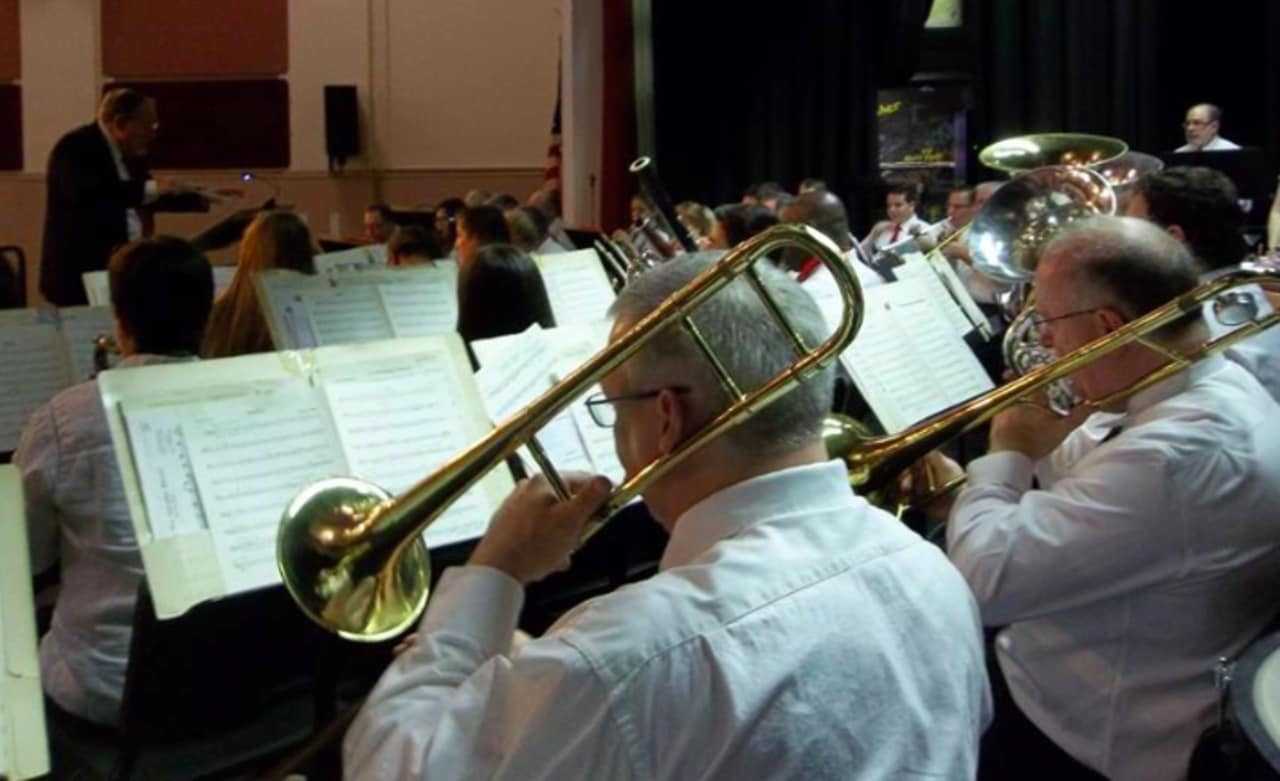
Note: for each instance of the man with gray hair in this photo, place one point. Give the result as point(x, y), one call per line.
point(792, 631)
point(1151, 547)
point(1202, 125)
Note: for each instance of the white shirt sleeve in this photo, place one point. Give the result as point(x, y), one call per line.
point(1105, 529)
point(456, 705)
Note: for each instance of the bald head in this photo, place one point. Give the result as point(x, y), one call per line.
point(823, 211)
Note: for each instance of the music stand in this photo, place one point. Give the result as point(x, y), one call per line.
point(1246, 167)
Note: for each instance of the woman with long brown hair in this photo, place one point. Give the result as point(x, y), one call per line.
point(237, 325)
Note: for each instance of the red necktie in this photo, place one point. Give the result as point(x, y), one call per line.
point(894, 237)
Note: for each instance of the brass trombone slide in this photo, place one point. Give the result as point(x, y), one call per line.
point(353, 557)
point(875, 463)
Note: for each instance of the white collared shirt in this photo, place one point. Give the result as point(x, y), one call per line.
point(75, 502)
point(792, 631)
point(878, 240)
point(132, 218)
point(1139, 562)
point(1218, 144)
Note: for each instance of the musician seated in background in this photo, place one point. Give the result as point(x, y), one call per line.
point(1151, 547)
point(809, 185)
point(412, 245)
point(1202, 125)
point(984, 290)
point(446, 223)
point(237, 325)
point(1199, 207)
point(825, 212)
point(900, 201)
point(737, 222)
point(478, 227)
point(378, 225)
point(792, 631)
point(959, 212)
point(500, 293)
point(764, 194)
point(546, 200)
point(161, 291)
point(699, 220)
point(528, 229)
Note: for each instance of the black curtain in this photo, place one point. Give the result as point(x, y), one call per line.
point(1126, 68)
point(747, 91)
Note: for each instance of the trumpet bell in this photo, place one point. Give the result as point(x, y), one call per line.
point(324, 531)
point(1024, 153)
point(1007, 235)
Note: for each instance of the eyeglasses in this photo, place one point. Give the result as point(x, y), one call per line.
point(1039, 320)
point(1198, 122)
point(601, 407)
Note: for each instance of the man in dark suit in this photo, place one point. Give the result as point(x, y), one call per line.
point(98, 184)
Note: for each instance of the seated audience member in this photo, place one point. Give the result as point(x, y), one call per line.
point(412, 245)
point(737, 222)
point(698, 220)
point(500, 292)
point(446, 224)
point(1151, 547)
point(1198, 206)
point(809, 185)
point(479, 226)
point(1202, 125)
point(792, 630)
point(378, 224)
point(161, 291)
point(825, 211)
point(900, 201)
point(528, 229)
point(237, 326)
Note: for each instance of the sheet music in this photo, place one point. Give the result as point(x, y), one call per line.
point(399, 419)
point(252, 453)
point(915, 266)
point(81, 326)
point(32, 371)
point(346, 314)
point(577, 286)
point(355, 259)
point(907, 361)
point(97, 288)
point(162, 457)
point(423, 305)
point(24, 749)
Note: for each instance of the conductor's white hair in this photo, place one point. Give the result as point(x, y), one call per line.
point(751, 346)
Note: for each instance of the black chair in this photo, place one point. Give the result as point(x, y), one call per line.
point(13, 277)
point(219, 692)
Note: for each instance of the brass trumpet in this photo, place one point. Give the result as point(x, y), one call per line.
point(353, 557)
point(875, 463)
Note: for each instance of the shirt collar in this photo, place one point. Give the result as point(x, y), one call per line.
point(1169, 387)
point(732, 510)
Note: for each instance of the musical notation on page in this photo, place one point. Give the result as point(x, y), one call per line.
point(32, 372)
point(907, 361)
point(252, 453)
point(162, 457)
point(398, 419)
point(345, 315)
point(577, 286)
point(423, 306)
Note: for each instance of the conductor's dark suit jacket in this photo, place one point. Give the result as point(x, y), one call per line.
point(85, 212)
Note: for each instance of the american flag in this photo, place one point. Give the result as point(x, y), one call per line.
point(552, 170)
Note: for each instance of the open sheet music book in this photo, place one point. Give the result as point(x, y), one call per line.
point(954, 301)
point(212, 452)
point(515, 370)
point(44, 351)
point(909, 359)
point(24, 746)
point(306, 310)
point(577, 286)
point(372, 256)
point(97, 286)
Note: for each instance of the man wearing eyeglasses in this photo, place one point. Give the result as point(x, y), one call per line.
point(1150, 547)
point(1202, 125)
point(792, 631)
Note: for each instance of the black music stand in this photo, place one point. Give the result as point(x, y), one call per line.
point(1246, 167)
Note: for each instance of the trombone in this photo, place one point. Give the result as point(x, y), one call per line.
point(875, 463)
point(353, 557)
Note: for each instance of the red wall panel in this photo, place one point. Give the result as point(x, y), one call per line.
point(10, 41)
point(219, 124)
point(194, 38)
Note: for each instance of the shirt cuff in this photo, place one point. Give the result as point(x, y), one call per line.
point(150, 191)
point(1006, 467)
point(479, 602)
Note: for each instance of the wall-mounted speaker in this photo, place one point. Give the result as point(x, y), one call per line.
point(341, 124)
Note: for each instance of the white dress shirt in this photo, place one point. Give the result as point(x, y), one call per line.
point(1139, 562)
point(1260, 353)
point(132, 218)
point(75, 497)
point(1218, 144)
point(793, 631)
point(884, 235)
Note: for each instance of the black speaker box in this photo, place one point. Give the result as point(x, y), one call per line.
point(341, 123)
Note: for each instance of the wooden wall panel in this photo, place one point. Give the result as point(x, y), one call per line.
point(220, 124)
point(10, 41)
point(144, 39)
point(10, 127)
